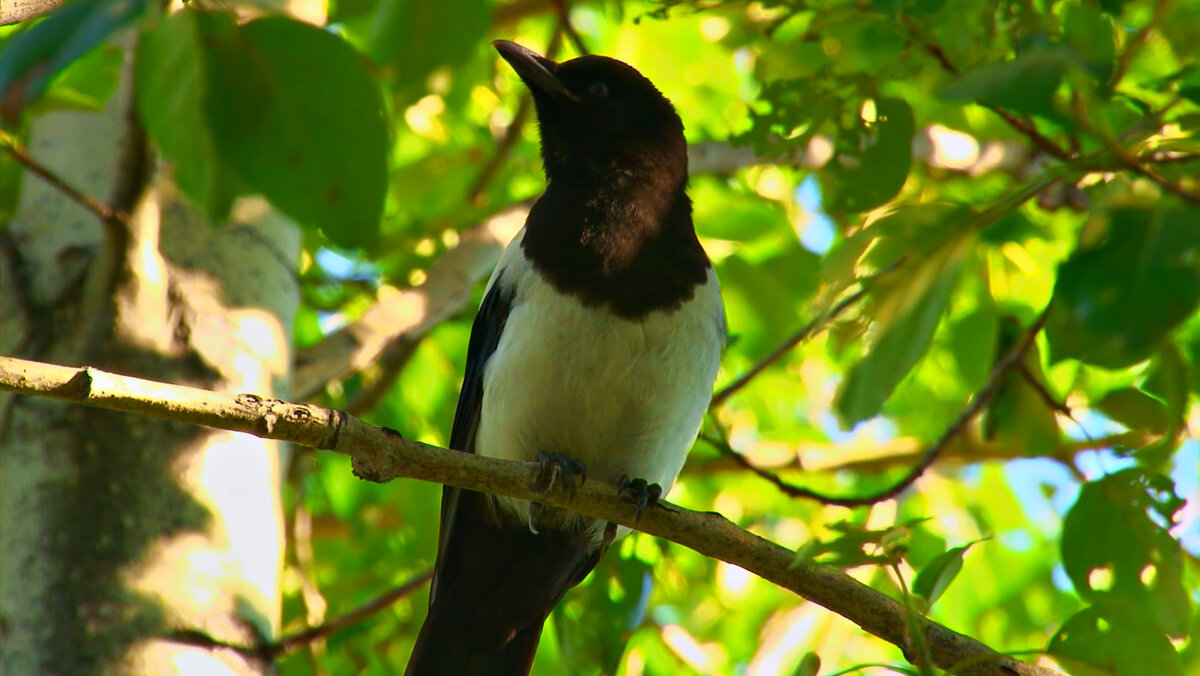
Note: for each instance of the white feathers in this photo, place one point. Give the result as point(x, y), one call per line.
point(625, 397)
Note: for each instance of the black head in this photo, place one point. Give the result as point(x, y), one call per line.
point(598, 115)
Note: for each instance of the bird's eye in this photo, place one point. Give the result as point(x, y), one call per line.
point(598, 90)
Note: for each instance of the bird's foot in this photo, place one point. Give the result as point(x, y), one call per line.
point(640, 493)
point(557, 469)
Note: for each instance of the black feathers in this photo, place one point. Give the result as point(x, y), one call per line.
point(556, 359)
point(615, 224)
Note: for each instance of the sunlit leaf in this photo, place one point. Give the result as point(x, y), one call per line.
point(87, 84)
point(173, 74)
point(936, 576)
point(856, 545)
point(1115, 547)
point(33, 58)
point(1135, 409)
point(1114, 641)
point(902, 344)
point(872, 159)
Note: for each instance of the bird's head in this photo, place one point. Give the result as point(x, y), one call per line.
point(598, 115)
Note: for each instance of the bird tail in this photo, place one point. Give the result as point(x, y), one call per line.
point(452, 644)
point(495, 584)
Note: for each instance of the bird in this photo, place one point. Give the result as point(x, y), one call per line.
point(594, 352)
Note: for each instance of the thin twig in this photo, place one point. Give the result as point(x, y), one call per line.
point(1130, 162)
point(1135, 43)
point(1026, 127)
point(513, 132)
point(503, 149)
point(800, 336)
point(1044, 394)
point(966, 451)
point(564, 18)
point(274, 649)
point(106, 212)
point(1000, 371)
point(393, 360)
point(289, 643)
point(786, 346)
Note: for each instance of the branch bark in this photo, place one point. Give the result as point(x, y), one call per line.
point(16, 11)
point(381, 454)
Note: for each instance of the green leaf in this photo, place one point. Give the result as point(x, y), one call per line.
point(593, 626)
point(902, 344)
point(1115, 551)
point(173, 72)
point(937, 575)
point(1114, 641)
point(293, 109)
point(1189, 83)
point(1092, 38)
point(416, 37)
point(1018, 416)
point(910, 7)
point(34, 57)
point(864, 45)
point(973, 340)
point(810, 665)
point(857, 545)
point(725, 213)
point(1024, 85)
point(1169, 382)
point(872, 160)
point(87, 84)
point(768, 291)
point(1117, 298)
point(1136, 410)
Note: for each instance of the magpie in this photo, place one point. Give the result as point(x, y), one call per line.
point(594, 350)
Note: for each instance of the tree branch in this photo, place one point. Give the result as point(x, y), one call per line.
point(16, 11)
point(1012, 360)
point(786, 346)
point(1135, 43)
point(290, 642)
point(106, 212)
point(966, 449)
point(403, 317)
point(1025, 127)
point(268, 652)
point(380, 455)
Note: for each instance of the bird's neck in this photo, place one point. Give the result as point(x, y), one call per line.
point(622, 238)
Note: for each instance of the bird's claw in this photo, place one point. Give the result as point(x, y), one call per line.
point(640, 493)
point(558, 469)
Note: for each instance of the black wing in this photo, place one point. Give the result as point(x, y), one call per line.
point(495, 580)
point(485, 336)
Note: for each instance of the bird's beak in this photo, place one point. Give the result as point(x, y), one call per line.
point(536, 70)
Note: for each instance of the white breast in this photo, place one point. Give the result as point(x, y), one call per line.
point(625, 397)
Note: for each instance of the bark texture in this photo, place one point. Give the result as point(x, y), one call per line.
point(117, 530)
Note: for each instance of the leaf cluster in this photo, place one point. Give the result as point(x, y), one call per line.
point(964, 166)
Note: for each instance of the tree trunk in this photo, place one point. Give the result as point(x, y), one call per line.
point(117, 532)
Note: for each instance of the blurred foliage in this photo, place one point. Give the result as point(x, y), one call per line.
point(962, 162)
